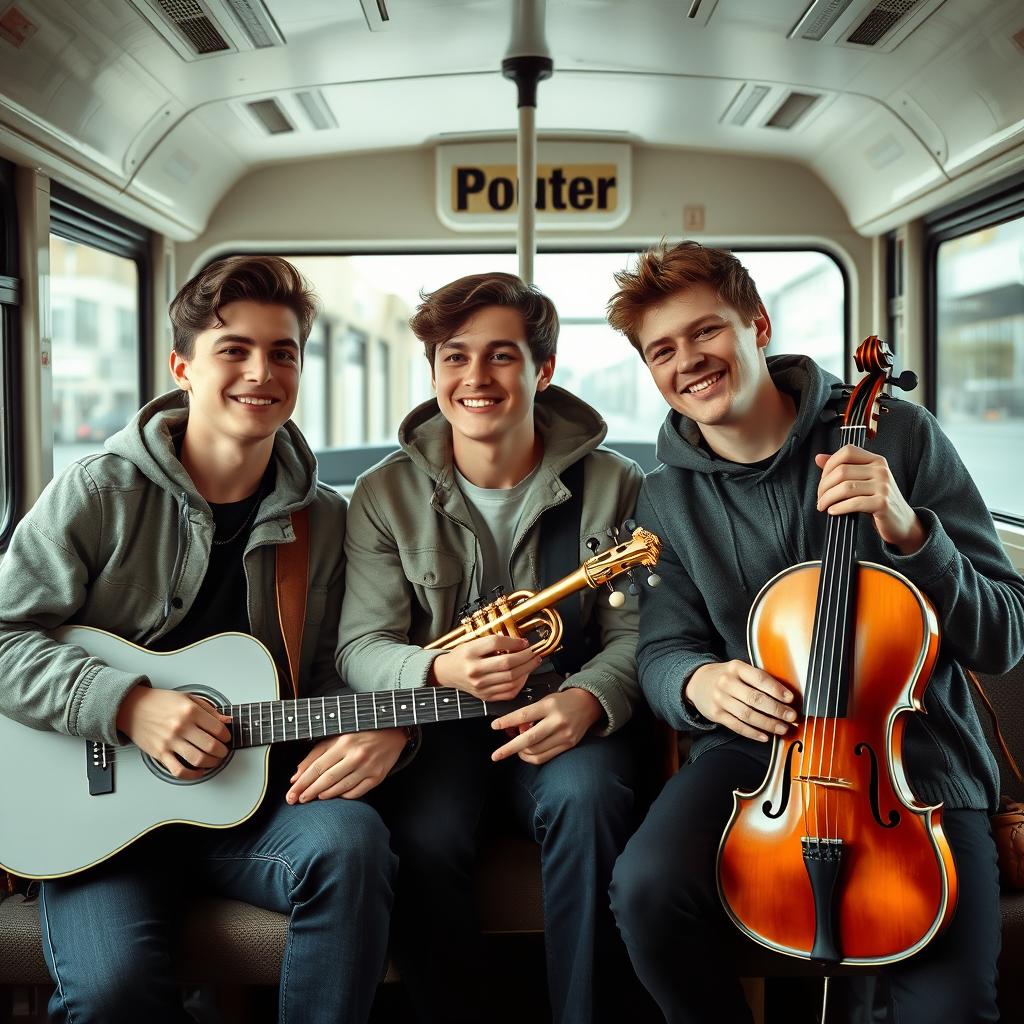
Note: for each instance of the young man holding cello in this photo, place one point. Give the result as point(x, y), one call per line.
point(753, 468)
point(167, 536)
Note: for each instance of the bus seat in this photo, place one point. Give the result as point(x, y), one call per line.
point(229, 940)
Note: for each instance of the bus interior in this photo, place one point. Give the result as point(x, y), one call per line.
point(864, 158)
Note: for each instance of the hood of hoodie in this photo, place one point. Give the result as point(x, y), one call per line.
point(799, 376)
point(148, 442)
point(568, 427)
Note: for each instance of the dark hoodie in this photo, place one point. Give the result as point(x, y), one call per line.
point(729, 528)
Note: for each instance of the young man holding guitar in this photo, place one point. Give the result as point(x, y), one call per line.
point(751, 477)
point(168, 536)
point(499, 481)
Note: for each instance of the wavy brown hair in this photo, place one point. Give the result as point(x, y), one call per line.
point(266, 279)
point(664, 270)
point(443, 312)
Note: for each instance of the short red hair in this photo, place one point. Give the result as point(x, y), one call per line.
point(663, 271)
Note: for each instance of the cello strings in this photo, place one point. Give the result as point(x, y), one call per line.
point(823, 640)
point(849, 568)
point(811, 686)
point(832, 571)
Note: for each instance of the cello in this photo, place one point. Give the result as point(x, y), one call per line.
point(833, 859)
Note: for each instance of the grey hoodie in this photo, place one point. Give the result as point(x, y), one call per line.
point(120, 541)
point(730, 528)
point(412, 552)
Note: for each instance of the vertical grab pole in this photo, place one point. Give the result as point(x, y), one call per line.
point(527, 63)
point(526, 151)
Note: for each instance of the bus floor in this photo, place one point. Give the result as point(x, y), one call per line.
point(518, 957)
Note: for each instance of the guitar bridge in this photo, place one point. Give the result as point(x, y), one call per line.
point(99, 767)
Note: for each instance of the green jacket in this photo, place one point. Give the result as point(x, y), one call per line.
point(120, 541)
point(412, 552)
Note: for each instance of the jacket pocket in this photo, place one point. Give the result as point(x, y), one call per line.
point(428, 567)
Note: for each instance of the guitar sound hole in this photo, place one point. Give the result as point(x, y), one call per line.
point(215, 698)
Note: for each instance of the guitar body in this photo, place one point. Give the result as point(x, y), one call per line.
point(63, 829)
point(896, 887)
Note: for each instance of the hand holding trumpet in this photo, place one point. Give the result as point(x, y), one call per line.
point(489, 667)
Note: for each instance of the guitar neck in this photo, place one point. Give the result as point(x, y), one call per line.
point(312, 718)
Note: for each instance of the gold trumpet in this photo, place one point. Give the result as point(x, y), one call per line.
point(525, 612)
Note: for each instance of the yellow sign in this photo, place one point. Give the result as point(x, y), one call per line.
point(568, 188)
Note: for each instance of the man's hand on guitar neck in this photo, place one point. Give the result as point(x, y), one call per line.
point(348, 766)
point(184, 733)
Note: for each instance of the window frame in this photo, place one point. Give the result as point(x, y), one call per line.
point(10, 363)
point(985, 208)
point(76, 218)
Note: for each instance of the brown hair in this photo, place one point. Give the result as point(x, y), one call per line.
point(441, 313)
point(267, 279)
point(663, 271)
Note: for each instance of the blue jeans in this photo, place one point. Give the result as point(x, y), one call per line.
point(580, 807)
point(666, 903)
point(108, 934)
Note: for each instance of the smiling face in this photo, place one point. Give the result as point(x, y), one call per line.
point(486, 380)
point(707, 364)
point(243, 377)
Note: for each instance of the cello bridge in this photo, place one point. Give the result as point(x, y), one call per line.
point(824, 780)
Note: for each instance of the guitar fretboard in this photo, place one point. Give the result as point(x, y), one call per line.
point(311, 718)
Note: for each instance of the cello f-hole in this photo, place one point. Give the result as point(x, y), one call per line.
point(876, 810)
point(787, 783)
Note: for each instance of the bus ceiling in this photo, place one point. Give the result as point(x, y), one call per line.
point(896, 108)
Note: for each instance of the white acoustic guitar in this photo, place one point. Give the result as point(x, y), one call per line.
point(68, 803)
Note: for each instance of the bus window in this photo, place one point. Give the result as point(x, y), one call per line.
point(311, 408)
point(979, 292)
point(94, 301)
point(100, 322)
point(804, 292)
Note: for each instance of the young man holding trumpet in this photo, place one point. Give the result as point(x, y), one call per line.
point(488, 474)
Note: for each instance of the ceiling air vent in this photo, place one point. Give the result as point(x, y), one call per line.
point(792, 109)
point(881, 21)
point(880, 25)
point(195, 25)
point(744, 103)
point(818, 19)
point(198, 29)
point(256, 22)
point(700, 11)
point(377, 16)
point(270, 116)
point(314, 106)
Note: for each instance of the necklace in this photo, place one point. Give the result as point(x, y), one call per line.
point(247, 522)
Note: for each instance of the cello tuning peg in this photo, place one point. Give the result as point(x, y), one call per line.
point(906, 381)
point(613, 532)
point(616, 599)
point(498, 591)
point(629, 525)
point(653, 580)
point(633, 590)
point(593, 543)
point(463, 612)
